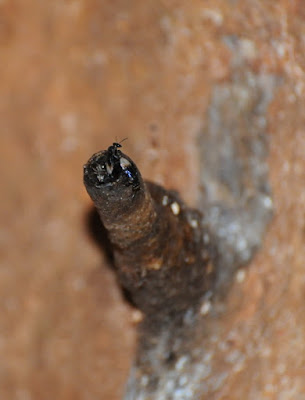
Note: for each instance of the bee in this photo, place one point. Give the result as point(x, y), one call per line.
point(113, 152)
point(115, 158)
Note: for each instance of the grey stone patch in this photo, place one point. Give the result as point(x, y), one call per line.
point(236, 197)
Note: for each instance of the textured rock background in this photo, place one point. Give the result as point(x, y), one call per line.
point(75, 75)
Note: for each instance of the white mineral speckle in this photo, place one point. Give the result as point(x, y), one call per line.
point(155, 264)
point(175, 208)
point(165, 201)
point(183, 380)
point(281, 49)
point(233, 356)
point(194, 223)
point(241, 244)
point(181, 363)
point(212, 15)
point(207, 357)
point(240, 276)
point(239, 365)
point(281, 368)
point(136, 316)
point(205, 307)
point(184, 394)
point(248, 49)
point(206, 238)
point(170, 385)
point(189, 316)
point(144, 380)
point(268, 203)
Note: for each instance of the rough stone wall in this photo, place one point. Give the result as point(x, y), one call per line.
point(76, 75)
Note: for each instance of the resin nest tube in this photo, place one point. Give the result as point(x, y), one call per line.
point(160, 257)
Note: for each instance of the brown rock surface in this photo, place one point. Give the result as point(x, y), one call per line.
point(74, 76)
